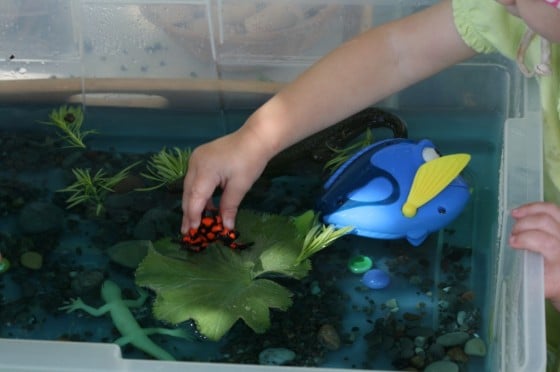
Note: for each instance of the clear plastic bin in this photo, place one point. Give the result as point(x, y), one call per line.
point(203, 56)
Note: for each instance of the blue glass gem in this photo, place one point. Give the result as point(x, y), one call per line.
point(376, 279)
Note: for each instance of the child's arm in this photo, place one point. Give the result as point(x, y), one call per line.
point(359, 73)
point(537, 228)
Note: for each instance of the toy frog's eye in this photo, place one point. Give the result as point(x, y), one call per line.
point(429, 153)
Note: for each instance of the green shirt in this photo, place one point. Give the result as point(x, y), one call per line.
point(487, 27)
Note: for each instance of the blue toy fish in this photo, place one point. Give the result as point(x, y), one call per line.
point(396, 188)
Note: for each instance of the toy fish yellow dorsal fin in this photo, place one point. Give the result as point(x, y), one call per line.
point(431, 178)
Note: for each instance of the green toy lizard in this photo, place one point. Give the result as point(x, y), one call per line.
point(125, 322)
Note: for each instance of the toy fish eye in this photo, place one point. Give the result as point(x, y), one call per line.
point(442, 210)
point(429, 153)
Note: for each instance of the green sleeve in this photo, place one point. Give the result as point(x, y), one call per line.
point(486, 26)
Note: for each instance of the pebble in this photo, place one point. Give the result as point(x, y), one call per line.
point(315, 288)
point(40, 217)
point(392, 305)
point(436, 351)
point(155, 223)
point(128, 184)
point(418, 361)
point(31, 260)
point(129, 253)
point(420, 341)
point(468, 296)
point(87, 281)
point(276, 356)
point(442, 366)
point(457, 354)
point(475, 347)
point(453, 339)
point(406, 348)
point(461, 317)
point(411, 317)
point(425, 332)
point(328, 337)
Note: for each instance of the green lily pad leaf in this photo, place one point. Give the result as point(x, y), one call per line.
point(280, 260)
point(277, 243)
point(219, 286)
point(170, 248)
point(305, 221)
point(217, 312)
point(215, 288)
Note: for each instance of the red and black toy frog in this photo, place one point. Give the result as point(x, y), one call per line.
point(211, 229)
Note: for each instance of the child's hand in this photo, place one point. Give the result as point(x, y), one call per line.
point(537, 228)
point(232, 162)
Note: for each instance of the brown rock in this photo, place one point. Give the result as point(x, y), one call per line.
point(418, 361)
point(328, 337)
point(458, 355)
point(129, 183)
point(468, 296)
point(411, 317)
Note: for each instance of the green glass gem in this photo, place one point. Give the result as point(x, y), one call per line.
point(4, 265)
point(360, 264)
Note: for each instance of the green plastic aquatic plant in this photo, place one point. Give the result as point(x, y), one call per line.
point(219, 286)
point(69, 120)
point(345, 153)
point(93, 190)
point(318, 236)
point(167, 167)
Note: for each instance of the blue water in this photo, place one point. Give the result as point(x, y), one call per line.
point(420, 276)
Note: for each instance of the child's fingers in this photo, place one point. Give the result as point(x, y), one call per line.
point(538, 241)
point(538, 221)
point(537, 208)
point(233, 194)
point(197, 191)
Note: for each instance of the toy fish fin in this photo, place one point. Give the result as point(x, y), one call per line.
point(431, 178)
point(366, 151)
point(417, 237)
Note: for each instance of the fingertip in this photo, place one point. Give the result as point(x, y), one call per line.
point(192, 211)
point(512, 241)
point(185, 225)
point(228, 217)
point(229, 223)
point(229, 204)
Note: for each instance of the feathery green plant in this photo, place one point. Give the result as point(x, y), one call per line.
point(318, 237)
point(93, 189)
point(344, 154)
point(166, 167)
point(69, 120)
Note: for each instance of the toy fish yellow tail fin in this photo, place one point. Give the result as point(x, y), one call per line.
point(431, 178)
